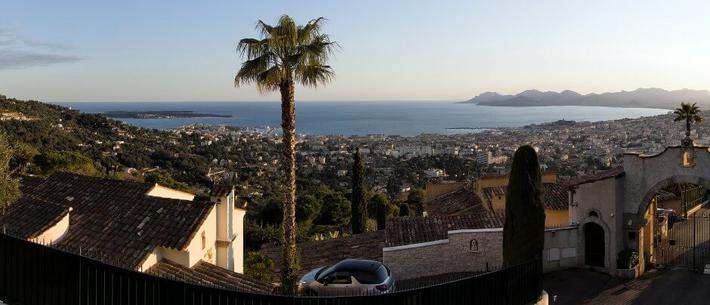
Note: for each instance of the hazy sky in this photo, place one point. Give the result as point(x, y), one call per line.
point(392, 50)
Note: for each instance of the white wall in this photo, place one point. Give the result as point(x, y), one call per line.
point(55, 232)
point(166, 192)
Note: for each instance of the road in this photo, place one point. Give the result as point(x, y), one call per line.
point(674, 286)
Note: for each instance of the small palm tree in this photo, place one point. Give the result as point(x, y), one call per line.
point(287, 54)
point(690, 113)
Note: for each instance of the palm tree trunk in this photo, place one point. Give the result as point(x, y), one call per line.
point(288, 124)
point(687, 127)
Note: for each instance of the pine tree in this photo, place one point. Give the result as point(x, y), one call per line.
point(359, 202)
point(523, 235)
point(9, 186)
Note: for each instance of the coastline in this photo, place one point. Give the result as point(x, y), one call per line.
point(364, 118)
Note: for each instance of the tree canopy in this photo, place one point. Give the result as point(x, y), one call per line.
point(9, 186)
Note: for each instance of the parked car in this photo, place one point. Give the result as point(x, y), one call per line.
point(348, 277)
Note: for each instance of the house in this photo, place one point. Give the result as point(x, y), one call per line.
point(139, 226)
point(492, 189)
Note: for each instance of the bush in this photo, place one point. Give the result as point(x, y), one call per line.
point(627, 259)
point(404, 210)
point(69, 161)
point(259, 266)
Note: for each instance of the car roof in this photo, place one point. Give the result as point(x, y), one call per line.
point(357, 264)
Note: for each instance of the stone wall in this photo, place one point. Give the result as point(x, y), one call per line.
point(476, 250)
point(464, 250)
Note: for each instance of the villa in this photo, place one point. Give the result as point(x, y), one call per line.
point(139, 226)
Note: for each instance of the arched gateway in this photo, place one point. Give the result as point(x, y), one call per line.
point(619, 204)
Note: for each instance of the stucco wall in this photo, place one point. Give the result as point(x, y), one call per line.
point(55, 232)
point(434, 190)
point(644, 175)
point(238, 243)
point(561, 248)
point(556, 218)
point(208, 253)
point(603, 197)
point(165, 192)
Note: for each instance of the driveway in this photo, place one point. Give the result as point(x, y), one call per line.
point(674, 286)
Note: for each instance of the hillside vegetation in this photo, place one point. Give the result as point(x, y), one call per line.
point(49, 137)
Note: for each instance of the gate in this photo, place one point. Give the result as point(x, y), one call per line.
point(684, 241)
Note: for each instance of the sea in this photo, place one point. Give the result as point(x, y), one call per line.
point(405, 118)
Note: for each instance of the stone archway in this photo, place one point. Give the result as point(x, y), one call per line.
point(644, 175)
point(594, 245)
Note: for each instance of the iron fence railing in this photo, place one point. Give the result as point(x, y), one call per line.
point(32, 273)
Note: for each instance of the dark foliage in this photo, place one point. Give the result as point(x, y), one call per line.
point(523, 235)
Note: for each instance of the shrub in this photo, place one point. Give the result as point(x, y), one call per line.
point(259, 266)
point(627, 259)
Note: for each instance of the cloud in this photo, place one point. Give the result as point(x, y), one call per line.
point(20, 59)
point(17, 52)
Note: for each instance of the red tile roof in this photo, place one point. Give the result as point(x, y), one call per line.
point(414, 230)
point(610, 173)
point(453, 203)
point(555, 196)
point(219, 190)
point(207, 274)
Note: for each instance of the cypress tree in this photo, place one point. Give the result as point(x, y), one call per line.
point(359, 204)
point(523, 234)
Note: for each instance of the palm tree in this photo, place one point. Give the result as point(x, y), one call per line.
point(691, 114)
point(284, 55)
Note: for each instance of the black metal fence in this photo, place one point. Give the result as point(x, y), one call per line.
point(685, 241)
point(32, 274)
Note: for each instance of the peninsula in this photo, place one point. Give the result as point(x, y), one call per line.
point(161, 115)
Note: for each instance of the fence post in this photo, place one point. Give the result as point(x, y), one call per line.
point(695, 220)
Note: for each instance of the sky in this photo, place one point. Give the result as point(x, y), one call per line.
point(391, 50)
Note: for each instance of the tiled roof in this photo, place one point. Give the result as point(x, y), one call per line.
point(453, 203)
point(207, 274)
point(498, 191)
point(220, 190)
point(555, 196)
point(29, 182)
point(610, 173)
point(314, 254)
point(109, 218)
point(30, 215)
point(413, 230)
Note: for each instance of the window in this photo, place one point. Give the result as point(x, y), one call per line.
point(341, 278)
point(686, 159)
point(204, 240)
point(593, 214)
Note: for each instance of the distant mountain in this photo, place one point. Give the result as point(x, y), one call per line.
point(642, 97)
